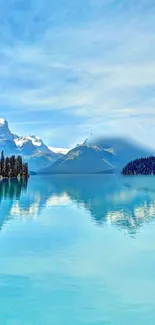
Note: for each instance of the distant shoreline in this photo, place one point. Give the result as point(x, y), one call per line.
point(97, 173)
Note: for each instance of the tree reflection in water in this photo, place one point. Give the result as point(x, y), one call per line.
point(12, 188)
point(126, 203)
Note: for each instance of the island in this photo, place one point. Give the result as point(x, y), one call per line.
point(13, 167)
point(141, 166)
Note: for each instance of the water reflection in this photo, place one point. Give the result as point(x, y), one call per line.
point(12, 189)
point(10, 193)
point(124, 202)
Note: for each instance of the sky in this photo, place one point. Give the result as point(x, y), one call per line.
point(75, 69)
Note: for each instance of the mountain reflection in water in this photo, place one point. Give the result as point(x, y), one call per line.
point(126, 202)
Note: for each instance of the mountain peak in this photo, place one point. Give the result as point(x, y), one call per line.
point(3, 122)
point(5, 133)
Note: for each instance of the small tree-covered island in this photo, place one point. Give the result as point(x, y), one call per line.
point(13, 167)
point(142, 166)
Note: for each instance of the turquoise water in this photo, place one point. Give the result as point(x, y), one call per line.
point(77, 250)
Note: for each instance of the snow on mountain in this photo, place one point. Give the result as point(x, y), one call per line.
point(31, 147)
point(2, 121)
point(63, 151)
point(83, 159)
point(5, 133)
point(36, 141)
point(31, 144)
point(102, 156)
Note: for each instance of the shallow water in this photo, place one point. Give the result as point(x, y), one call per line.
point(77, 250)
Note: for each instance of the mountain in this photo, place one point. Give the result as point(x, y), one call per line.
point(31, 144)
point(7, 138)
point(63, 151)
point(5, 133)
point(32, 148)
point(101, 156)
point(124, 150)
point(83, 159)
point(104, 155)
point(40, 159)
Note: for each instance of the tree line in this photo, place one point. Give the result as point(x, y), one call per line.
point(13, 167)
point(142, 166)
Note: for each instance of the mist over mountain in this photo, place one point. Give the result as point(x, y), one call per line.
point(103, 155)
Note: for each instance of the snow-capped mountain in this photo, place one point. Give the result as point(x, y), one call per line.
point(106, 155)
point(102, 156)
point(30, 144)
point(5, 133)
point(32, 148)
point(63, 151)
point(83, 159)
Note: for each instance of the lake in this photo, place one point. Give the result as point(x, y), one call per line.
point(77, 250)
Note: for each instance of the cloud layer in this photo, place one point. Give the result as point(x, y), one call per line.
point(78, 67)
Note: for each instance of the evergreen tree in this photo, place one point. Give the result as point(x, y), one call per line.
point(13, 167)
point(7, 167)
point(19, 166)
point(2, 164)
point(25, 170)
point(142, 166)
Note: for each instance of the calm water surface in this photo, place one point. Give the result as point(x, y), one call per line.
point(77, 250)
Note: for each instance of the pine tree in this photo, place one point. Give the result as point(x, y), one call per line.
point(2, 163)
point(7, 167)
point(141, 166)
point(25, 170)
point(19, 166)
point(13, 167)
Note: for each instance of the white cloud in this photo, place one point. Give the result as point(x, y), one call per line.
point(102, 71)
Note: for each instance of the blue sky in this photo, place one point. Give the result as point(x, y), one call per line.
point(71, 68)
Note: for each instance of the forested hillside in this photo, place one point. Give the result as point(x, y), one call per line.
point(142, 166)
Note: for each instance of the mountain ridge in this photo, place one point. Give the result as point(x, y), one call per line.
point(31, 147)
point(101, 156)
